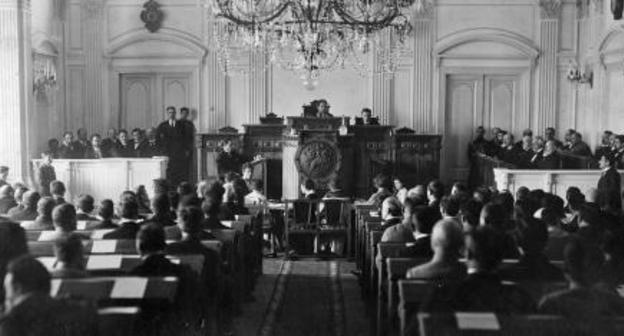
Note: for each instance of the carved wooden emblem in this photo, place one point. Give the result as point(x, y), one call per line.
point(318, 160)
point(152, 16)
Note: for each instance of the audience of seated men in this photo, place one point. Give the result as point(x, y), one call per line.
point(18, 197)
point(7, 199)
point(43, 221)
point(29, 309)
point(57, 189)
point(28, 212)
point(64, 221)
point(482, 290)
point(447, 241)
point(70, 261)
point(493, 215)
point(583, 305)
point(129, 222)
point(84, 207)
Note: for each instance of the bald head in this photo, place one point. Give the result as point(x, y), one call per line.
point(447, 237)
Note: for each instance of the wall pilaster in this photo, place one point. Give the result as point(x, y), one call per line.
point(550, 11)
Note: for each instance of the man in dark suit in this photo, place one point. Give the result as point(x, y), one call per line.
point(45, 174)
point(57, 189)
point(549, 159)
point(85, 206)
point(606, 144)
point(170, 137)
point(549, 134)
point(68, 148)
point(151, 146)
point(95, 151)
point(229, 160)
point(128, 225)
point(29, 212)
point(122, 148)
point(108, 143)
point(609, 184)
point(138, 145)
point(150, 242)
point(366, 118)
point(578, 146)
point(105, 214)
point(82, 143)
point(188, 135)
point(31, 311)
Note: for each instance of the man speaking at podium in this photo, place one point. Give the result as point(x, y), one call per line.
point(170, 138)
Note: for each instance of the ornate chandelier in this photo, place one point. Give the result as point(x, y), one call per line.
point(310, 37)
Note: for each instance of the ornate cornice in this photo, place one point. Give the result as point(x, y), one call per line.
point(550, 9)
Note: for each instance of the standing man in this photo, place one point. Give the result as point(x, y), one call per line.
point(609, 184)
point(170, 137)
point(188, 133)
point(45, 174)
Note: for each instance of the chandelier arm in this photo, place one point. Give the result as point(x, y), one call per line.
point(229, 15)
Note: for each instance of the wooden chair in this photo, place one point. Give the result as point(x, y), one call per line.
point(363, 214)
point(302, 222)
point(117, 321)
point(396, 269)
point(120, 288)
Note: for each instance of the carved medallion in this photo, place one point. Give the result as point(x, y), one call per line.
point(152, 16)
point(318, 160)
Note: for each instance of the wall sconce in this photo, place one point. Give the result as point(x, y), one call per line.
point(584, 76)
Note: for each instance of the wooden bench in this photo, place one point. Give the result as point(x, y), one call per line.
point(120, 246)
point(363, 214)
point(517, 325)
point(120, 264)
point(125, 288)
point(117, 321)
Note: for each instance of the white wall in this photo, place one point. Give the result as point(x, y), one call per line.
point(100, 42)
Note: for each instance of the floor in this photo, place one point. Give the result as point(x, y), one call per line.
point(305, 297)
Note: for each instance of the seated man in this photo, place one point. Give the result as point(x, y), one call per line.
point(482, 290)
point(18, 196)
point(84, 208)
point(391, 212)
point(255, 197)
point(161, 212)
point(584, 306)
point(211, 208)
point(128, 225)
point(95, 151)
point(150, 242)
point(70, 261)
point(578, 146)
point(494, 216)
point(549, 158)
point(366, 118)
point(64, 220)
point(7, 200)
point(435, 192)
point(404, 231)
point(30, 310)
point(533, 265)
point(29, 211)
point(43, 221)
point(105, 215)
point(383, 185)
point(447, 241)
point(123, 147)
point(57, 189)
point(449, 207)
point(424, 219)
point(469, 213)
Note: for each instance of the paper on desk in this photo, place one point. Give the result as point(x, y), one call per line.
point(129, 288)
point(48, 262)
point(55, 285)
point(47, 235)
point(104, 246)
point(81, 225)
point(98, 234)
point(104, 262)
point(477, 321)
point(227, 223)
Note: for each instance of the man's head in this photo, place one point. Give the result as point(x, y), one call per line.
point(469, 214)
point(447, 238)
point(484, 248)
point(532, 236)
point(390, 208)
point(30, 199)
point(549, 133)
point(493, 215)
point(86, 203)
point(425, 218)
point(82, 134)
point(129, 209)
point(4, 172)
point(106, 209)
point(449, 206)
point(150, 239)
point(190, 220)
point(366, 113)
point(160, 204)
point(171, 113)
point(568, 134)
point(160, 186)
point(19, 194)
point(96, 139)
point(247, 171)
point(538, 143)
point(605, 140)
point(549, 147)
point(458, 189)
point(53, 145)
point(137, 135)
point(185, 188)
point(435, 190)
point(480, 132)
point(68, 137)
point(382, 181)
point(111, 133)
point(322, 106)
point(184, 113)
point(64, 217)
point(575, 138)
point(508, 139)
point(45, 206)
point(618, 142)
point(581, 262)
point(69, 251)
point(122, 136)
point(25, 275)
point(606, 161)
point(150, 133)
point(57, 188)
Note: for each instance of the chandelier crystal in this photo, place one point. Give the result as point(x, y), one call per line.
point(310, 37)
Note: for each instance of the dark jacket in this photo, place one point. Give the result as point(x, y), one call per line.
point(121, 150)
point(127, 230)
point(70, 151)
point(90, 153)
point(609, 186)
point(229, 162)
point(549, 162)
point(6, 204)
point(45, 175)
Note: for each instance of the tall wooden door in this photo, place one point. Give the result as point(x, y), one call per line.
point(474, 100)
point(145, 96)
